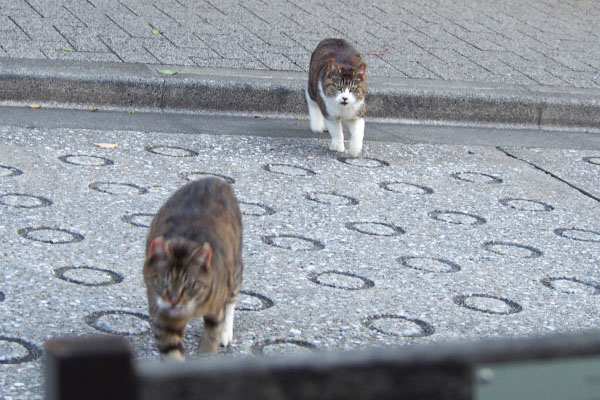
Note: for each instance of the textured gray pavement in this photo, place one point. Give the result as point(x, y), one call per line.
point(437, 233)
point(550, 42)
point(416, 242)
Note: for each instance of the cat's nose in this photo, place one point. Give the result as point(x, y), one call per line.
point(173, 299)
point(345, 99)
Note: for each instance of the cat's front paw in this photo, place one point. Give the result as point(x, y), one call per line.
point(317, 126)
point(355, 149)
point(175, 355)
point(226, 337)
point(337, 146)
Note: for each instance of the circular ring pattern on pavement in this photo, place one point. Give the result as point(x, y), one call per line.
point(86, 160)
point(17, 351)
point(457, 217)
point(512, 249)
point(195, 175)
point(288, 169)
point(571, 286)
point(331, 198)
point(405, 188)
point(293, 242)
point(429, 264)
point(142, 220)
point(476, 177)
point(365, 162)
point(341, 280)
point(88, 276)
point(171, 151)
point(251, 301)
point(45, 234)
point(525, 204)
point(255, 209)
point(118, 322)
point(7, 172)
point(375, 228)
point(581, 235)
point(487, 304)
point(22, 200)
point(282, 346)
point(118, 188)
point(592, 160)
point(399, 325)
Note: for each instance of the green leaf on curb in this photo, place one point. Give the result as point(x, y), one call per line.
point(67, 49)
point(132, 112)
point(299, 118)
point(156, 32)
point(166, 71)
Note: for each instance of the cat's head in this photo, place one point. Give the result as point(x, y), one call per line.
point(347, 84)
point(178, 272)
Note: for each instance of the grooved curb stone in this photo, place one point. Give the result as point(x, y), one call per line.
point(141, 86)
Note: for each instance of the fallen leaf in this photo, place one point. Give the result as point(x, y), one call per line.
point(156, 32)
point(106, 145)
point(67, 49)
point(166, 71)
point(132, 112)
point(93, 109)
point(35, 106)
point(299, 118)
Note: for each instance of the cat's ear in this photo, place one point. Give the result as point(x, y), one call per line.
point(202, 256)
point(362, 69)
point(333, 67)
point(157, 248)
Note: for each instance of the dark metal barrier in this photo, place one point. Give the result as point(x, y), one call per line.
point(555, 367)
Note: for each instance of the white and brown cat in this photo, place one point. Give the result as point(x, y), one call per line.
point(194, 265)
point(337, 86)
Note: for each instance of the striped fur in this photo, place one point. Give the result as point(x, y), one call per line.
point(193, 265)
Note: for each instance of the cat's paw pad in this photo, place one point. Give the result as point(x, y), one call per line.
point(339, 147)
point(226, 337)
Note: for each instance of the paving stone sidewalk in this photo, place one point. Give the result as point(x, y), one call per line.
point(547, 42)
point(412, 243)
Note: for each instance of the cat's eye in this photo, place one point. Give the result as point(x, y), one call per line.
point(190, 286)
point(354, 88)
point(338, 87)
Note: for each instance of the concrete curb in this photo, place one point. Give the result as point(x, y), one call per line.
point(255, 91)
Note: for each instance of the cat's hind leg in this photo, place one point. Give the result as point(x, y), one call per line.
point(357, 131)
point(227, 334)
point(316, 116)
point(337, 134)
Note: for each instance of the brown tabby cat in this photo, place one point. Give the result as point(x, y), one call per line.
point(194, 265)
point(337, 85)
